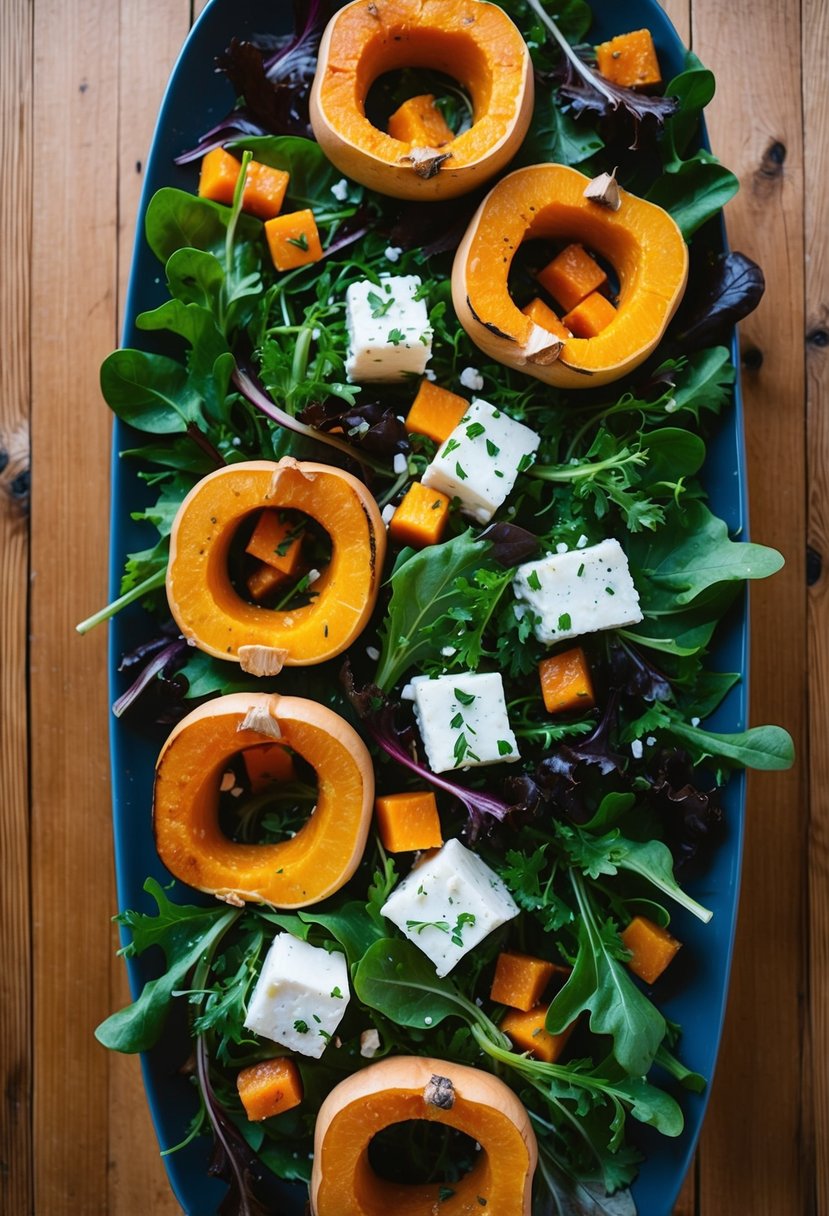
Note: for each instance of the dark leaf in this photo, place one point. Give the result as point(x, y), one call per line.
point(724, 291)
point(163, 662)
point(692, 817)
point(370, 425)
point(594, 750)
point(635, 675)
point(584, 92)
point(511, 545)
point(232, 1160)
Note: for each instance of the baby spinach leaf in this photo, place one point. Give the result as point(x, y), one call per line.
point(397, 980)
point(694, 191)
point(150, 392)
point(312, 174)
point(349, 925)
point(693, 89)
point(209, 361)
point(555, 135)
point(178, 220)
point(599, 983)
point(195, 276)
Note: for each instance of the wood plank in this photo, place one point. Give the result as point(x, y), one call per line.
point(15, 896)
point(151, 35)
point(816, 167)
point(73, 283)
point(750, 1163)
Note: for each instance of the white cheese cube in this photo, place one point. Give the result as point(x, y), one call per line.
point(463, 720)
point(479, 462)
point(448, 904)
point(388, 329)
point(578, 592)
point(300, 997)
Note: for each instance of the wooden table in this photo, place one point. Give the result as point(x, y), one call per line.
point(80, 83)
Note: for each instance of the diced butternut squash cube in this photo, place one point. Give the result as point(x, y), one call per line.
point(651, 948)
point(528, 1033)
point(571, 276)
point(544, 316)
point(629, 60)
point(408, 821)
point(421, 518)
point(265, 187)
point(520, 980)
point(263, 581)
point(589, 318)
point(266, 764)
point(566, 685)
point(293, 239)
point(419, 122)
point(435, 412)
point(269, 1088)
point(278, 542)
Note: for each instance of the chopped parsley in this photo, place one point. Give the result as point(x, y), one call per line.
point(299, 242)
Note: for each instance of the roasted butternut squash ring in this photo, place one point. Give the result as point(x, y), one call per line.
point(294, 873)
point(411, 1087)
point(640, 240)
point(209, 610)
point(475, 43)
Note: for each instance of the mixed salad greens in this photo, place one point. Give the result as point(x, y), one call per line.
point(610, 810)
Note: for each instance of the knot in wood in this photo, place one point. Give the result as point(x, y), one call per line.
point(439, 1092)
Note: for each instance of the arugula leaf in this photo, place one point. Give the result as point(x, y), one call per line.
point(600, 984)
point(185, 933)
point(766, 748)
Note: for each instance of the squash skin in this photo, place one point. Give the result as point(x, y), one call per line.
point(391, 1091)
point(474, 42)
point(205, 605)
point(640, 239)
point(294, 873)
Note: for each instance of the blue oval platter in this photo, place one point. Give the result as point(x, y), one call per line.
point(195, 99)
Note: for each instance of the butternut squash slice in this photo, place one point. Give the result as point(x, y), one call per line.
point(473, 42)
point(640, 240)
point(401, 1088)
point(293, 873)
point(209, 610)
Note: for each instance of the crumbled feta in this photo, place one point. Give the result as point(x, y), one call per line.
point(430, 375)
point(695, 721)
point(373, 653)
point(312, 576)
point(387, 513)
point(480, 460)
point(340, 190)
point(471, 378)
point(636, 749)
point(300, 997)
point(369, 1044)
point(573, 593)
point(463, 720)
point(561, 547)
point(389, 335)
point(581, 542)
point(400, 463)
point(392, 253)
point(407, 693)
point(448, 651)
point(651, 740)
point(448, 904)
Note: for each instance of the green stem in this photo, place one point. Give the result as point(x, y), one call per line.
point(238, 193)
point(563, 472)
point(152, 583)
point(394, 489)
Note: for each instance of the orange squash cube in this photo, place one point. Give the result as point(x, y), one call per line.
point(419, 122)
point(589, 318)
point(265, 187)
point(276, 542)
point(520, 980)
point(571, 276)
point(528, 1033)
point(266, 764)
point(421, 518)
point(293, 239)
point(651, 948)
point(407, 822)
point(269, 1088)
point(435, 412)
point(629, 60)
point(264, 580)
point(543, 315)
point(566, 685)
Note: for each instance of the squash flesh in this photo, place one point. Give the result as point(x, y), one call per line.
point(208, 608)
point(295, 872)
point(640, 240)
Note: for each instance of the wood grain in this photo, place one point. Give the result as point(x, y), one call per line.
point(744, 1166)
point(73, 284)
point(816, 170)
point(15, 896)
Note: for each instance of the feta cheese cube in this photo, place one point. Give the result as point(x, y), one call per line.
point(448, 904)
point(389, 334)
point(479, 462)
point(463, 720)
point(300, 997)
point(578, 592)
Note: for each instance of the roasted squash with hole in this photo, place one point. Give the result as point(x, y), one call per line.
point(294, 873)
point(475, 43)
point(640, 240)
point(209, 610)
point(401, 1088)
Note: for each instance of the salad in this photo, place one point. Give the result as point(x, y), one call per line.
point(567, 829)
